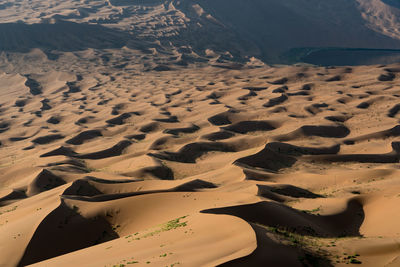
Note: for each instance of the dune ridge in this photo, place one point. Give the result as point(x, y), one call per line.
point(200, 166)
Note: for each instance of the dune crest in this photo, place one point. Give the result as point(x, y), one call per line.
point(200, 166)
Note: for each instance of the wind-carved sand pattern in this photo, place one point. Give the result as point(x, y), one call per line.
point(201, 166)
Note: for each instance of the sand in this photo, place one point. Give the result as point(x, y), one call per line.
point(211, 164)
point(150, 133)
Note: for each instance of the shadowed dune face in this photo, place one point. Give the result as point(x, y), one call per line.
point(244, 127)
point(103, 165)
point(84, 136)
point(290, 257)
point(63, 231)
point(47, 139)
point(44, 181)
point(342, 224)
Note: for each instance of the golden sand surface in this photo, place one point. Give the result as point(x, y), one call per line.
point(200, 166)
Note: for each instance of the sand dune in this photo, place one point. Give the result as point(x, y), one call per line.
point(125, 139)
point(200, 166)
point(150, 133)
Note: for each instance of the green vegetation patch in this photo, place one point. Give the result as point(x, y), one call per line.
point(171, 225)
point(9, 210)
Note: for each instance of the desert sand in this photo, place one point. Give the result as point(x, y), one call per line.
point(212, 164)
point(151, 133)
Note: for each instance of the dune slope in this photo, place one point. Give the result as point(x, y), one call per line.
point(212, 164)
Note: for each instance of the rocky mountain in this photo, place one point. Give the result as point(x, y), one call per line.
point(272, 30)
